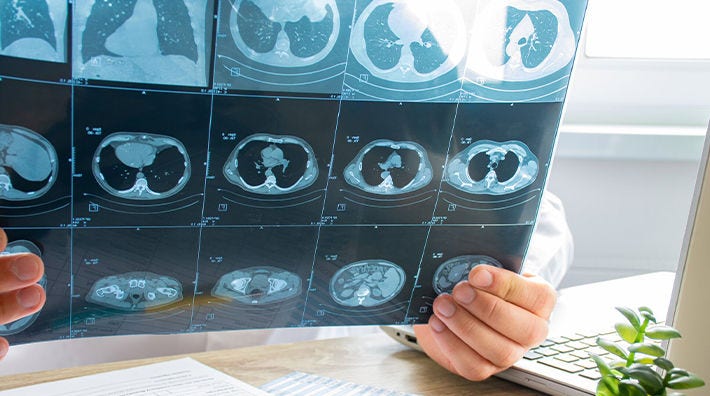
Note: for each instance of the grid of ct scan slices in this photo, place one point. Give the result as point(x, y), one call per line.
point(199, 165)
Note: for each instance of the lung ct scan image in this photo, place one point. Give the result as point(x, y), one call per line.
point(189, 166)
point(34, 29)
point(141, 166)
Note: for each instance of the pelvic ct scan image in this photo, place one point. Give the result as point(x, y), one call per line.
point(204, 165)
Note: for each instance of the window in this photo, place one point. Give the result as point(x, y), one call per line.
point(643, 64)
point(648, 29)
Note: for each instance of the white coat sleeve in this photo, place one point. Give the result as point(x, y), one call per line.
point(551, 246)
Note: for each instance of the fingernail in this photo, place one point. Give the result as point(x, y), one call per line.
point(482, 278)
point(436, 324)
point(25, 267)
point(445, 307)
point(464, 294)
point(29, 297)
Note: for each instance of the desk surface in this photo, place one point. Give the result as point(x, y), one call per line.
point(375, 360)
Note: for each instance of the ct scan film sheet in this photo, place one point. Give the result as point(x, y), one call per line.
point(194, 165)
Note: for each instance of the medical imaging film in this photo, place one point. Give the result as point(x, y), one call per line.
point(253, 285)
point(496, 164)
point(521, 50)
point(145, 287)
point(144, 157)
point(268, 163)
point(407, 50)
point(35, 154)
point(387, 167)
point(34, 29)
point(209, 165)
point(451, 252)
point(156, 42)
point(283, 46)
point(361, 275)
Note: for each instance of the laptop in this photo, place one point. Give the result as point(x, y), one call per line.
point(560, 366)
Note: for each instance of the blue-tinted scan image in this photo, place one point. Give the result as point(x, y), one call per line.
point(258, 285)
point(22, 246)
point(367, 283)
point(497, 164)
point(145, 286)
point(495, 168)
point(141, 157)
point(272, 164)
point(269, 160)
point(135, 291)
point(245, 282)
point(456, 269)
point(283, 45)
point(387, 167)
point(28, 164)
point(406, 50)
point(141, 166)
point(452, 251)
point(522, 50)
point(33, 29)
point(35, 154)
point(155, 42)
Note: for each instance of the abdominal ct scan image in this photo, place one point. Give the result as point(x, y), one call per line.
point(455, 270)
point(28, 164)
point(367, 283)
point(141, 166)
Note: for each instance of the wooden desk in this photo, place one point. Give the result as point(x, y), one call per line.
point(375, 360)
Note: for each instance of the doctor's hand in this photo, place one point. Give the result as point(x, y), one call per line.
point(20, 295)
point(488, 322)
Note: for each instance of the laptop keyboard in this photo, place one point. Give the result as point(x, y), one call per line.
point(570, 353)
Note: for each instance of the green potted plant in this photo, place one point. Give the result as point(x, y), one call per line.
point(641, 368)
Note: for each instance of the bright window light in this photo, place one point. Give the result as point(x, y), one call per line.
point(648, 29)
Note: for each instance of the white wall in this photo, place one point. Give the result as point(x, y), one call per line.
point(627, 215)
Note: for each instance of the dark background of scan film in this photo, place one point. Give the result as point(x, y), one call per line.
point(212, 226)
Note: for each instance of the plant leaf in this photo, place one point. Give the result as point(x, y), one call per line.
point(647, 349)
point(662, 333)
point(644, 360)
point(626, 332)
point(647, 313)
point(679, 372)
point(649, 379)
point(603, 367)
point(663, 363)
point(646, 309)
point(631, 316)
point(688, 382)
point(612, 347)
point(614, 364)
point(608, 385)
point(630, 388)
